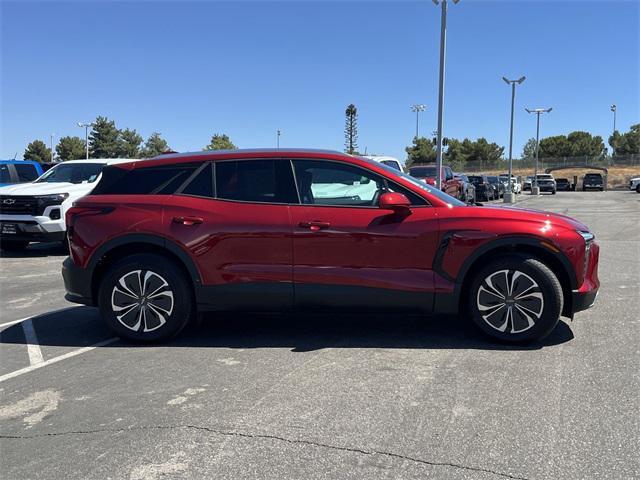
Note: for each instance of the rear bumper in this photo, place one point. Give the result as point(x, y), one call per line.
point(77, 283)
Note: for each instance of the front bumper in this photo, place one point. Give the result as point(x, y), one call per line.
point(583, 300)
point(585, 296)
point(77, 283)
point(29, 231)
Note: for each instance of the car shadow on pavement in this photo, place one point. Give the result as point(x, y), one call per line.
point(49, 249)
point(82, 326)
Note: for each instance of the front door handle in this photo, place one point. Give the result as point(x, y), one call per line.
point(189, 221)
point(314, 225)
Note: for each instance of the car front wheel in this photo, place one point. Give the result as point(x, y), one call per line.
point(516, 299)
point(146, 298)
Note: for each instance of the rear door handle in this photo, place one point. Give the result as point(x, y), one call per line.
point(189, 221)
point(314, 225)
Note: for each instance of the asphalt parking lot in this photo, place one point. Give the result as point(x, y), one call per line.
point(317, 397)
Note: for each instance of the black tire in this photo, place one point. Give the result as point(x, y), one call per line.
point(13, 245)
point(543, 312)
point(638, 188)
point(174, 303)
point(553, 192)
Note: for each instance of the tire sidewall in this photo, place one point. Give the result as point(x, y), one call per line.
point(178, 283)
point(549, 286)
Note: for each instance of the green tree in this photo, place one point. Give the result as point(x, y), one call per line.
point(585, 144)
point(38, 151)
point(351, 129)
point(155, 145)
point(481, 152)
point(104, 139)
point(129, 144)
point(627, 143)
point(71, 148)
point(529, 149)
point(556, 146)
point(220, 142)
point(421, 151)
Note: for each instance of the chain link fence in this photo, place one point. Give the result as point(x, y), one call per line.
point(555, 162)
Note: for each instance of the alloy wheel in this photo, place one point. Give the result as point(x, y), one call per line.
point(142, 300)
point(510, 301)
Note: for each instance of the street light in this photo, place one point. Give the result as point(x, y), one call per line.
point(443, 42)
point(535, 190)
point(614, 109)
point(508, 196)
point(278, 133)
point(417, 108)
point(86, 134)
point(51, 145)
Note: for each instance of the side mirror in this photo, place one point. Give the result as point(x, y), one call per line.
point(397, 202)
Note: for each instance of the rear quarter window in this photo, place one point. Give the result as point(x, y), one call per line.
point(26, 173)
point(163, 180)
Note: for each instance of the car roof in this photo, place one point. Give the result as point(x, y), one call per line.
point(108, 161)
point(246, 153)
point(18, 162)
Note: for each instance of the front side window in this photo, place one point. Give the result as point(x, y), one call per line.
point(332, 183)
point(26, 172)
point(72, 173)
point(260, 181)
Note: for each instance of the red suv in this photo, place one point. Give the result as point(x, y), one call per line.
point(451, 184)
point(159, 240)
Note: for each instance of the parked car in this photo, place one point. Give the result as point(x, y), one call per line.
point(468, 189)
point(392, 162)
point(546, 183)
point(427, 173)
point(18, 171)
point(526, 185)
point(634, 184)
point(593, 181)
point(498, 186)
point(516, 186)
point(563, 185)
point(157, 241)
point(484, 190)
point(34, 212)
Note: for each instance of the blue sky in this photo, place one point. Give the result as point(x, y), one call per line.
point(190, 69)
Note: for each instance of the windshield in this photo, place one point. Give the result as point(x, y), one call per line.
point(423, 186)
point(475, 179)
point(423, 171)
point(492, 179)
point(72, 173)
point(391, 163)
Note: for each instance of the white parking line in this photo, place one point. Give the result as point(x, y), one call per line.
point(57, 359)
point(31, 340)
point(13, 322)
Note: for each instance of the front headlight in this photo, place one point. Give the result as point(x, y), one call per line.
point(45, 201)
point(588, 239)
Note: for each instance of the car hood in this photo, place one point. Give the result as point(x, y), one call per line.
point(45, 188)
point(532, 215)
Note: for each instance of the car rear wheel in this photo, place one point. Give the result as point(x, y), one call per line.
point(146, 298)
point(638, 188)
point(516, 299)
point(13, 245)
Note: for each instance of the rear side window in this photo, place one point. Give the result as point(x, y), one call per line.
point(201, 185)
point(26, 173)
point(263, 181)
point(163, 180)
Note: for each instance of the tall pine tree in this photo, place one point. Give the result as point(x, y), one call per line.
point(155, 145)
point(104, 139)
point(351, 129)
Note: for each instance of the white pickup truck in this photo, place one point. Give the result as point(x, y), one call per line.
point(35, 211)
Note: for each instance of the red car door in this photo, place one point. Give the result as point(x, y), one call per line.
point(240, 240)
point(350, 253)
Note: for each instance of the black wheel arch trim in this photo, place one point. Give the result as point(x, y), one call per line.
point(448, 303)
point(155, 240)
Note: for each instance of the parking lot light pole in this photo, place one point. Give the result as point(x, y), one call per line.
point(51, 145)
point(614, 109)
point(509, 196)
point(86, 134)
point(417, 108)
point(278, 133)
point(535, 190)
point(443, 43)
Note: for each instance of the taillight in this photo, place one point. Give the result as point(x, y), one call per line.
point(77, 211)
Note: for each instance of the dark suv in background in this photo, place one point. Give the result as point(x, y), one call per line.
point(592, 181)
point(484, 190)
